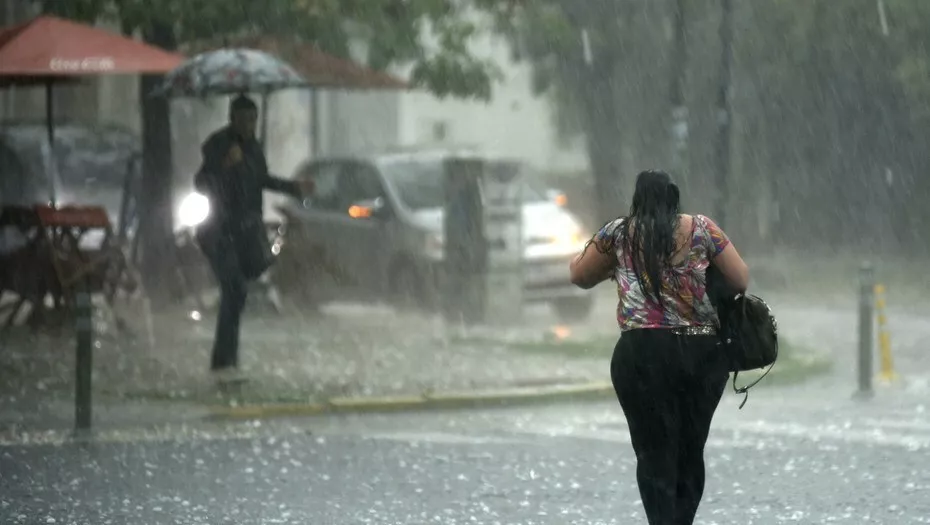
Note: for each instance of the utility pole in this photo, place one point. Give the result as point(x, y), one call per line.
point(724, 116)
point(679, 123)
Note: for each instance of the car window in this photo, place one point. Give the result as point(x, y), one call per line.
point(533, 190)
point(326, 185)
point(419, 183)
point(360, 182)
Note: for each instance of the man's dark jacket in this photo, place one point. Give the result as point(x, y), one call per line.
point(236, 221)
point(235, 193)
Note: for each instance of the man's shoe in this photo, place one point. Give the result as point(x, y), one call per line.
point(229, 374)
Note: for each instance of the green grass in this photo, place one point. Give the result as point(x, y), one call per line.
point(594, 348)
point(796, 363)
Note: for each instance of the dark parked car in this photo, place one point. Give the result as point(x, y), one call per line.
point(374, 230)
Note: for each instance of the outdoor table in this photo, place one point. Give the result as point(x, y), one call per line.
point(26, 271)
point(55, 261)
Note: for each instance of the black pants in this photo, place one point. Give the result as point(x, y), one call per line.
point(233, 293)
point(669, 386)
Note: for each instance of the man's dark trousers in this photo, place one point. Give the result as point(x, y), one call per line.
point(233, 292)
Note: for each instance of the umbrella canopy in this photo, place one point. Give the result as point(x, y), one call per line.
point(48, 49)
point(230, 71)
point(321, 70)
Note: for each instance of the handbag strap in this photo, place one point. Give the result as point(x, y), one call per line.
point(745, 389)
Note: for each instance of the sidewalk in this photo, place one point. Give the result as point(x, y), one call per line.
point(351, 358)
point(350, 352)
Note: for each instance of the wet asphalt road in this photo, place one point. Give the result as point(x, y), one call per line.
point(806, 454)
point(782, 460)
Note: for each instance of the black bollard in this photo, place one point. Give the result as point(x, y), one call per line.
point(866, 320)
point(83, 362)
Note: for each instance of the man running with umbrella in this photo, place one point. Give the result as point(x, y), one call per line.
point(234, 239)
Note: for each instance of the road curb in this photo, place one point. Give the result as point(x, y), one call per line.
point(465, 399)
point(441, 400)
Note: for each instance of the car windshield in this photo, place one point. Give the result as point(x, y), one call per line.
point(419, 182)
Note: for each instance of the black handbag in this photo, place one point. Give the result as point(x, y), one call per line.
point(748, 330)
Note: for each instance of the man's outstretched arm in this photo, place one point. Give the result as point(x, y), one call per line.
point(280, 185)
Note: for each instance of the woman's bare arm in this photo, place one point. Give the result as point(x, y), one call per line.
point(733, 268)
point(724, 256)
point(592, 267)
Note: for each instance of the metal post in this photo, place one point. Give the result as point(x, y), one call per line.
point(866, 319)
point(886, 373)
point(50, 129)
point(465, 250)
point(264, 130)
point(83, 362)
point(502, 188)
point(316, 125)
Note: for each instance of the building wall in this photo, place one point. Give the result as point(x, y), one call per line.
point(360, 123)
point(514, 122)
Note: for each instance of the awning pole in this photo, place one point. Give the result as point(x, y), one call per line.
point(265, 101)
point(315, 123)
point(50, 125)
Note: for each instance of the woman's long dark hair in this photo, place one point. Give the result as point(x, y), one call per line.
point(648, 234)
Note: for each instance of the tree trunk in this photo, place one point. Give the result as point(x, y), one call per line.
point(592, 73)
point(679, 118)
point(722, 153)
point(602, 131)
point(156, 207)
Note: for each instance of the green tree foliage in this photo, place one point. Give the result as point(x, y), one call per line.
point(391, 30)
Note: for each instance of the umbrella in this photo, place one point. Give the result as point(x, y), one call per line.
point(321, 70)
point(229, 72)
point(48, 50)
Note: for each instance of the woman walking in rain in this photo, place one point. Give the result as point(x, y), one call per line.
point(667, 369)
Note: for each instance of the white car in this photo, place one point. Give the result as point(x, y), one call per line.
point(392, 249)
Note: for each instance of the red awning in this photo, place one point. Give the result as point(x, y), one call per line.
point(320, 69)
point(48, 47)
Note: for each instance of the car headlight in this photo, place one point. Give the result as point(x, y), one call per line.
point(568, 239)
point(194, 209)
point(568, 235)
point(435, 245)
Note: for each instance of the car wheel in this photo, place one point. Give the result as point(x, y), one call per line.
point(408, 291)
point(573, 309)
point(300, 282)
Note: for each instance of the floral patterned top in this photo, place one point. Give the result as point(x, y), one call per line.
point(686, 303)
